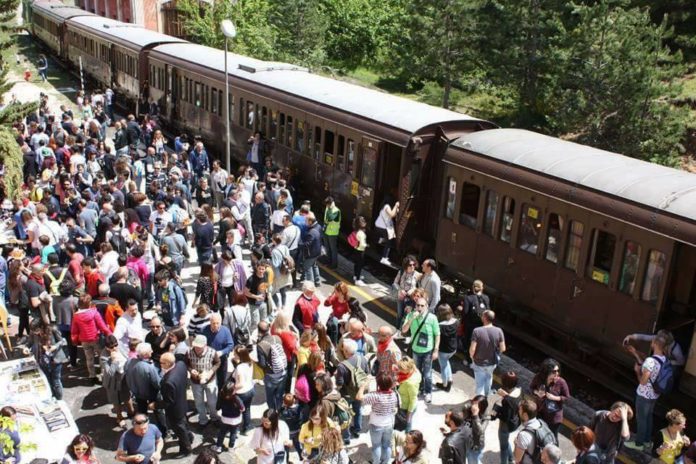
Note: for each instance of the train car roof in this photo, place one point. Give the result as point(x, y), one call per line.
point(659, 187)
point(398, 112)
point(59, 10)
point(125, 32)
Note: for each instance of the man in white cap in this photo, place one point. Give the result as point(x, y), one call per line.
point(203, 362)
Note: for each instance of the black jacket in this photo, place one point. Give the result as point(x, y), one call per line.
point(134, 132)
point(261, 217)
point(453, 448)
point(173, 391)
point(311, 242)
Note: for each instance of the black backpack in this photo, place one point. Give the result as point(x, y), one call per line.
point(542, 436)
point(118, 243)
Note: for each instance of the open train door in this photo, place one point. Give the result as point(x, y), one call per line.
point(364, 185)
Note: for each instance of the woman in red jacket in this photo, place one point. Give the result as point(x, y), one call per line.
point(86, 326)
point(338, 300)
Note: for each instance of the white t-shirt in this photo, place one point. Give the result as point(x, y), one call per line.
point(227, 277)
point(384, 221)
point(647, 390)
point(384, 406)
point(244, 377)
point(258, 440)
point(160, 221)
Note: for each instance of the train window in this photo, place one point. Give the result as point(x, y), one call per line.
point(629, 267)
point(451, 198)
point(250, 115)
point(553, 237)
point(264, 119)
point(577, 230)
point(329, 139)
point(214, 101)
point(653, 276)
point(317, 143)
point(602, 256)
point(469, 208)
point(281, 128)
point(291, 132)
point(530, 225)
point(491, 212)
point(197, 95)
point(310, 140)
point(241, 112)
point(273, 131)
point(351, 157)
point(508, 219)
point(369, 165)
point(221, 103)
point(299, 139)
point(341, 153)
point(231, 117)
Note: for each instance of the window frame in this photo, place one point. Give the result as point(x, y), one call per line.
point(467, 221)
point(539, 222)
point(636, 270)
point(490, 231)
point(594, 272)
point(559, 238)
point(450, 199)
point(511, 201)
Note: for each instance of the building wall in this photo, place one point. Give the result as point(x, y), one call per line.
point(156, 15)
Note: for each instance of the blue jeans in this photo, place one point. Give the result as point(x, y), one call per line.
point(483, 376)
point(246, 415)
point(357, 420)
point(644, 419)
point(381, 444)
point(331, 243)
point(310, 270)
point(445, 367)
point(473, 457)
point(410, 420)
point(506, 456)
point(275, 389)
point(424, 363)
point(53, 374)
point(222, 433)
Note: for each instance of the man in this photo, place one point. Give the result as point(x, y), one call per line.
point(551, 454)
point(430, 282)
point(129, 326)
point(142, 444)
point(453, 447)
point(356, 332)
point(332, 227)
point(611, 429)
point(202, 362)
point(388, 352)
point(122, 290)
point(120, 140)
point(646, 396)
point(311, 250)
point(159, 218)
point(178, 248)
point(203, 237)
point(220, 339)
point(424, 341)
point(256, 292)
point(261, 215)
point(272, 359)
point(306, 312)
point(143, 380)
point(159, 340)
point(472, 308)
point(354, 366)
point(170, 298)
point(532, 429)
point(240, 211)
point(173, 394)
point(487, 344)
point(218, 182)
point(290, 237)
point(133, 132)
point(39, 300)
point(93, 277)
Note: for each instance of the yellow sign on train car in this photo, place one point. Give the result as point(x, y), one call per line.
point(354, 188)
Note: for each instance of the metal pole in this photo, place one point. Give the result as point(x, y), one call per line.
point(227, 112)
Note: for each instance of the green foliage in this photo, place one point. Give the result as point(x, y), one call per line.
point(6, 443)
point(300, 27)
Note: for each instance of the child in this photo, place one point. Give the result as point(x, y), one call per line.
point(231, 407)
point(46, 249)
point(132, 346)
point(290, 414)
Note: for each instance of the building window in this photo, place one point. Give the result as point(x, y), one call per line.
point(469, 208)
point(451, 197)
point(299, 139)
point(351, 157)
point(653, 276)
point(508, 219)
point(530, 225)
point(553, 237)
point(629, 267)
point(491, 212)
point(602, 256)
point(577, 230)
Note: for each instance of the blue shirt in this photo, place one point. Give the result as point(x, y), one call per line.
point(220, 341)
point(146, 445)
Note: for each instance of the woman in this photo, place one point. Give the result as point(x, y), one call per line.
point(277, 217)
point(225, 223)
point(227, 275)
point(178, 346)
point(326, 346)
point(270, 439)
point(233, 243)
point(327, 394)
point(17, 293)
point(384, 404)
point(338, 300)
point(359, 227)
point(476, 422)
point(244, 383)
point(408, 378)
point(207, 456)
point(305, 389)
point(282, 280)
point(206, 288)
point(331, 450)
point(410, 446)
point(232, 408)
point(670, 443)
point(507, 413)
point(405, 283)
point(159, 144)
point(199, 321)
point(308, 345)
point(312, 431)
point(448, 344)
point(288, 336)
point(385, 228)
point(93, 166)
point(46, 344)
point(113, 363)
point(551, 391)
point(583, 438)
point(80, 451)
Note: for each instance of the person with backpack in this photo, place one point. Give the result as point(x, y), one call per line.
point(583, 438)
point(350, 374)
point(272, 359)
point(551, 392)
point(170, 298)
point(507, 413)
point(474, 427)
point(123, 291)
point(655, 376)
point(231, 409)
point(533, 436)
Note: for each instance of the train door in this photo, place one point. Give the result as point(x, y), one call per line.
point(173, 99)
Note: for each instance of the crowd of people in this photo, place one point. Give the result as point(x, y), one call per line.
point(102, 231)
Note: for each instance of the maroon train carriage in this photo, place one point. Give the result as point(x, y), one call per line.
point(48, 22)
point(598, 245)
point(354, 143)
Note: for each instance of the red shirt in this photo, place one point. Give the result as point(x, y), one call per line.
point(289, 340)
point(309, 311)
point(339, 307)
point(75, 268)
point(93, 279)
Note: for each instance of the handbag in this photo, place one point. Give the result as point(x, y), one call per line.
point(400, 421)
point(409, 348)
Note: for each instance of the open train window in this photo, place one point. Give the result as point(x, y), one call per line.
point(469, 208)
point(250, 115)
point(508, 219)
point(351, 157)
point(601, 256)
point(214, 101)
point(341, 153)
point(329, 147)
point(530, 226)
point(577, 230)
point(369, 165)
point(451, 197)
point(554, 232)
point(281, 134)
point(299, 139)
point(491, 212)
point(291, 132)
point(629, 267)
point(241, 113)
point(274, 125)
point(317, 143)
point(653, 276)
point(231, 108)
point(198, 95)
point(264, 120)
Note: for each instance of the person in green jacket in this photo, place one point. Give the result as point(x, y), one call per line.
point(332, 226)
point(409, 379)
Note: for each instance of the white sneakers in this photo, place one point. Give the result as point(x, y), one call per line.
point(385, 261)
point(359, 283)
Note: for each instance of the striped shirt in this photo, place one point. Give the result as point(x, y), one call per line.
point(198, 324)
point(384, 405)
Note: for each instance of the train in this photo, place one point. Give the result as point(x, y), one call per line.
point(582, 246)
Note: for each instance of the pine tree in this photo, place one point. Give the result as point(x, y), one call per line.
point(300, 27)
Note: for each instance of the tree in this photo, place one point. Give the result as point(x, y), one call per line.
point(300, 27)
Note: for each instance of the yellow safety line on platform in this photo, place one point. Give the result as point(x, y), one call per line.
point(570, 425)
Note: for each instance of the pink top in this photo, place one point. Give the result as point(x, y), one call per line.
point(139, 266)
point(86, 325)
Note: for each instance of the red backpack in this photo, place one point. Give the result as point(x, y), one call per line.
point(353, 239)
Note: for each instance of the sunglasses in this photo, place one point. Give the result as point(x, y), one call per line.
point(421, 306)
point(141, 422)
point(80, 448)
point(155, 326)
